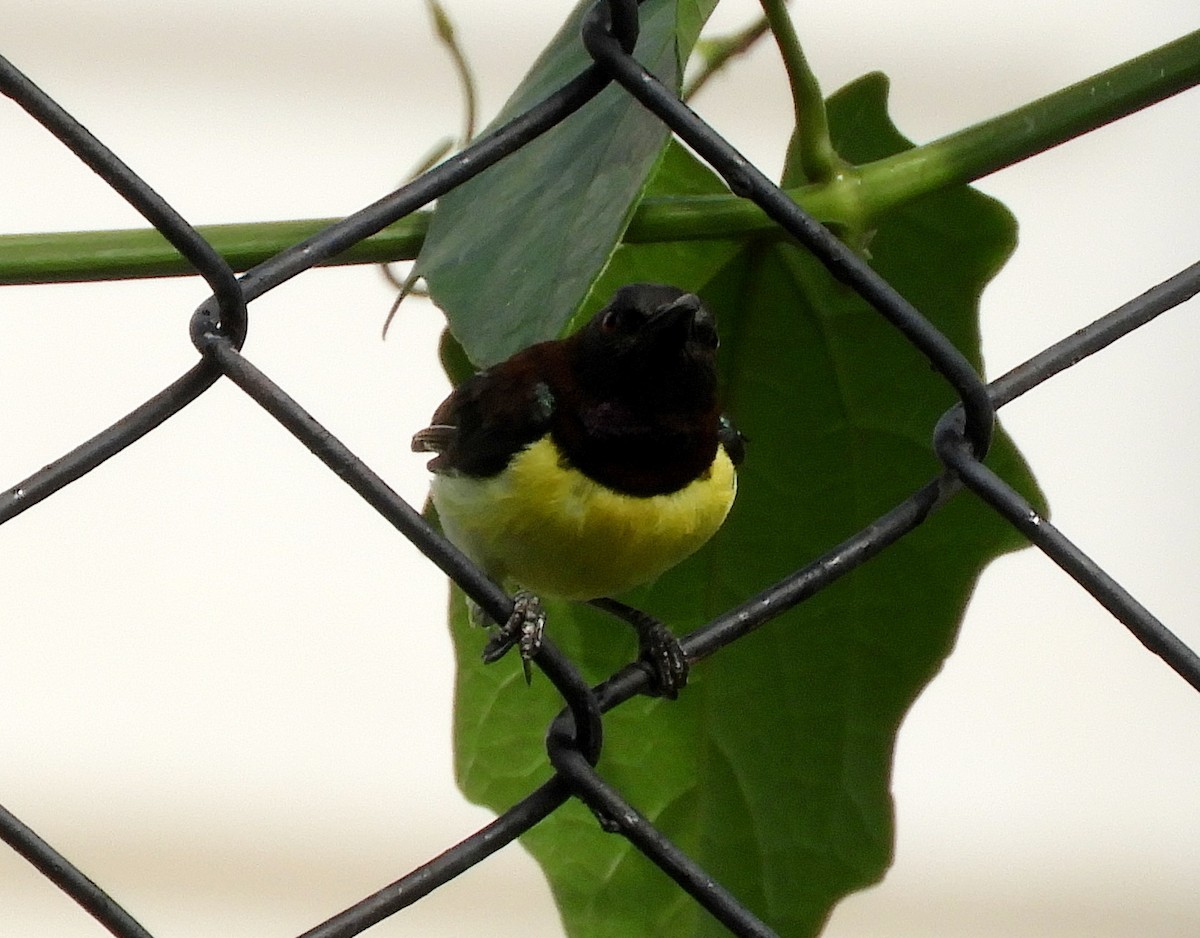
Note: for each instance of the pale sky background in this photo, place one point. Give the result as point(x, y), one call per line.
point(225, 686)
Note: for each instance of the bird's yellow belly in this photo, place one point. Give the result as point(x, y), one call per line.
point(556, 532)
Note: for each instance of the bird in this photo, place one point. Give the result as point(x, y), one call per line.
point(584, 466)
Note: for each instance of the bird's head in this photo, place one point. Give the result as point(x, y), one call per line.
point(650, 336)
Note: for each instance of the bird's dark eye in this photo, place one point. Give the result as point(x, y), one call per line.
point(615, 320)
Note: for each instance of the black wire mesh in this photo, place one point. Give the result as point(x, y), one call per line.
point(218, 329)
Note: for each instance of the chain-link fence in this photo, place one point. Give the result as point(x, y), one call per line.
point(960, 440)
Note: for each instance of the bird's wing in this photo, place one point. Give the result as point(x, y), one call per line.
point(732, 439)
point(436, 438)
point(486, 420)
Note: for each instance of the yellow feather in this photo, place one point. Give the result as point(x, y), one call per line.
point(549, 528)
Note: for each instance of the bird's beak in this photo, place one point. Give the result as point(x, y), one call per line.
point(684, 319)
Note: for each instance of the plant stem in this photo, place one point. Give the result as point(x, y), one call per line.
point(810, 157)
point(979, 150)
point(714, 54)
point(73, 256)
point(444, 28)
point(876, 187)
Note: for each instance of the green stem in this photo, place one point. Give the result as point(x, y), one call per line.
point(874, 188)
point(810, 157)
point(444, 28)
point(714, 54)
point(982, 149)
point(64, 257)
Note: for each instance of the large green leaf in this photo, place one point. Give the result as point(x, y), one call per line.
point(773, 767)
point(511, 254)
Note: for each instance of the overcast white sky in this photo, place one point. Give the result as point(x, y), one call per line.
point(225, 687)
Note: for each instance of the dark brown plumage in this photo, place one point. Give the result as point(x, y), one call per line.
point(630, 399)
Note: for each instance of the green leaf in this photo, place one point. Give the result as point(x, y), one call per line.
point(773, 767)
point(511, 254)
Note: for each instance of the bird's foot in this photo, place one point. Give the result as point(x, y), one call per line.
point(523, 630)
point(661, 653)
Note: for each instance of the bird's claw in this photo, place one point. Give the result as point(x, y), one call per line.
point(663, 656)
point(523, 630)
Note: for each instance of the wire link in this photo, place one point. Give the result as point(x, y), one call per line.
point(218, 328)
